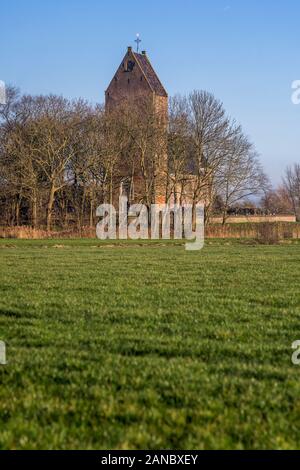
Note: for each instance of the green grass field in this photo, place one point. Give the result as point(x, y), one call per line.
point(149, 347)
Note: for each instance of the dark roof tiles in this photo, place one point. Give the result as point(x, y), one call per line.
point(150, 74)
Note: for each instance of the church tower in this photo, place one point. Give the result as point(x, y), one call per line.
point(136, 83)
point(134, 79)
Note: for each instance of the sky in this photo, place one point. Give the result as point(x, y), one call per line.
point(246, 52)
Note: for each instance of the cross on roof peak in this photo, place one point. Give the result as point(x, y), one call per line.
point(138, 41)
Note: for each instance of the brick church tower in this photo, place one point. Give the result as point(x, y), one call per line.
point(136, 78)
point(136, 81)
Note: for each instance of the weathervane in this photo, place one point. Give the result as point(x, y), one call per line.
point(138, 41)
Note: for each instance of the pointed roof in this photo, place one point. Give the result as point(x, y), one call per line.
point(147, 70)
point(150, 74)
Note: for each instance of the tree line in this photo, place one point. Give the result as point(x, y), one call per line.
point(285, 199)
point(60, 159)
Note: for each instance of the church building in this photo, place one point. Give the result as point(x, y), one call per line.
point(134, 82)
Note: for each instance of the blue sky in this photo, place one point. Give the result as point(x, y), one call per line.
point(246, 52)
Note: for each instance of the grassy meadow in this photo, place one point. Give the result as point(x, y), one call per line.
point(147, 346)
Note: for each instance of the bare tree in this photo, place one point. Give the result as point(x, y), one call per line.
point(211, 133)
point(240, 174)
point(52, 136)
point(84, 169)
point(178, 148)
point(291, 183)
point(146, 152)
point(17, 166)
point(277, 201)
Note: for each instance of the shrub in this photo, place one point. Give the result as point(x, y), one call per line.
point(268, 233)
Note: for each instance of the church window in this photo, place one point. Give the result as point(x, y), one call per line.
point(130, 66)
